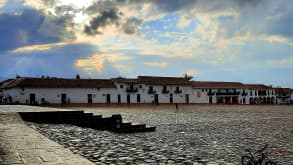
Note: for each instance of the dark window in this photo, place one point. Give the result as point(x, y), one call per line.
point(63, 98)
point(90, 98)
point(32, 98)
point(128, 99)
point(119, 99)
point(210, 100)
point(108, 98)
point(138, 98)
point(164, 87)
point(140, 86)
point(177, 88)
point(121, 86)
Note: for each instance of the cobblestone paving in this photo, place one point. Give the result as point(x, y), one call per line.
point(195, 135)
point(20, 144)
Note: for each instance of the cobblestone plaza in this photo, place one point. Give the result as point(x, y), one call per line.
point(197, 134)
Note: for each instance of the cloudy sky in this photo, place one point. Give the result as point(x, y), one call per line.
point(224, 40)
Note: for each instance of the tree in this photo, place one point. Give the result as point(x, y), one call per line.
point(17, 76)
point(187, 77)
point(77, 76)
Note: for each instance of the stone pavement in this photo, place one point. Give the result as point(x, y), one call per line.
point(20, 144)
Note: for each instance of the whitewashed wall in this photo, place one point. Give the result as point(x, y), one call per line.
point(53, 95)
point(80, 95)
point(145, 97)
point(199, 96)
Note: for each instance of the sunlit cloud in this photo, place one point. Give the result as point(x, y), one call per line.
point(40, 47)
point(123, 67)
point(157, 64)
point(184, 22)
point(192, 72)
point(96, 62)
point(2, 3)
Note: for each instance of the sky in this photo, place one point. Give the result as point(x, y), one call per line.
point(249, 41)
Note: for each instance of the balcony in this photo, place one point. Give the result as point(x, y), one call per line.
point(177, 91)
point(151, 91)
point(284, 96)
point(211, 93)
point(227, 93)
point(165, 91)
point(244, 94)
point(131, 90)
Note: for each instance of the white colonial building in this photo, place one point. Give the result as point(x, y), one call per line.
point(218, 92)
point(143, 89)
point(260, 94)
point(149, 89)
point(284, 95)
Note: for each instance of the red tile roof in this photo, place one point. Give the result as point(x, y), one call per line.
point(152, 80)
point(215, 84)
point(59, 83)
point(6, 83)
point(126, 80)
point(256, 86)
point(283, 90)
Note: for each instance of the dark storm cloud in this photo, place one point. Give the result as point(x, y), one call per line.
point(177, 5)
point(132, 25)
point(244, 3)
point(66, 10)
point(19, 30)
point(101, 6)
point(40, 62)
point(30, 27)
point(174, 5)
point(105, 18)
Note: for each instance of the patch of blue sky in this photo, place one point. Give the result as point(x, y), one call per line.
point(160, 28)
point(263, 50)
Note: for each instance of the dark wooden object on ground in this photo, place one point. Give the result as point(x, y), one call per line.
point(89, 120)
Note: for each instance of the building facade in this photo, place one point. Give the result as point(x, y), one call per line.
point(284, 95)
point(143, 89)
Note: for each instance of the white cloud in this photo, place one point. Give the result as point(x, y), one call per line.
point(157, 64)
point(123, 67)
point(192, 72)
point(184, 21)
point(40, 47)
point(2, 3)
